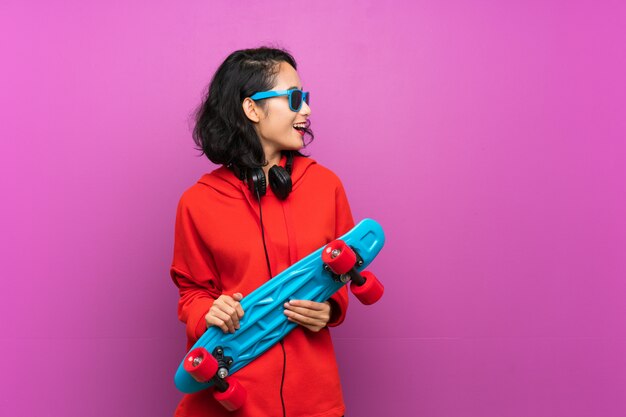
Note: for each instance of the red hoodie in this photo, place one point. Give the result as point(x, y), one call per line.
point(218, 249)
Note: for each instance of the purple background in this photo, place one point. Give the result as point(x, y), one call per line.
point(487, 137)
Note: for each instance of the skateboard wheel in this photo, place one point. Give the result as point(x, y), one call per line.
point(234, 397)
point(339, 257)
point(370, 291)
point(200, 364)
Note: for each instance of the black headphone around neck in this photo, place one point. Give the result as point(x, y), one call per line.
point(279, 178)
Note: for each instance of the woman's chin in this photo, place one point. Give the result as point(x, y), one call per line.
point(297, 145)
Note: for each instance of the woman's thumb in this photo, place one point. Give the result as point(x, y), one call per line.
point(237, 296)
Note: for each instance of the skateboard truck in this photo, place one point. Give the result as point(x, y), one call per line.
point(343, 260)
point(223, 366)
point(228, 391)
point(347, 276)
point(205, 367)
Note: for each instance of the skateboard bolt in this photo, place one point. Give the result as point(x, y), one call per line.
point(197, 360)
point(222, 373)
point(335, 253)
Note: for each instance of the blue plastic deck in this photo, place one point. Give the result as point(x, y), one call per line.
point(264, 323)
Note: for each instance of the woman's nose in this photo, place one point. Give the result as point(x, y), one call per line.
point(305, 110)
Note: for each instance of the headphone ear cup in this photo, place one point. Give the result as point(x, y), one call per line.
point(280, 181)
point(256, 181)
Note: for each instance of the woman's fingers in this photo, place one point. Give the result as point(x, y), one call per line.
point(222, 311)
point(231, 312)
point(311, 305)
point(225, 313)
point(302, 318)
point(310, 324)
point(237, 308)
point(320, 311)
point(213, 319)
point(310, 314)
point(225, 318)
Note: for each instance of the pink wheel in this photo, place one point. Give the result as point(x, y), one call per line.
point(339, 257)
point(234, 397)
point(370, 291)
point(200, 364)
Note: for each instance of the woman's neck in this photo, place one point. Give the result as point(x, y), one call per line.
point(272, 160)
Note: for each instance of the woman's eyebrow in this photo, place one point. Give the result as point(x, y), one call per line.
point(293, 86)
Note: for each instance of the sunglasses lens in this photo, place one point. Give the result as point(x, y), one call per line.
point(296, 100)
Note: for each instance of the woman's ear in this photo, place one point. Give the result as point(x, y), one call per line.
point(251, 109)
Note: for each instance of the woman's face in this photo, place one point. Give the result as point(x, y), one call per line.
point(274, 125)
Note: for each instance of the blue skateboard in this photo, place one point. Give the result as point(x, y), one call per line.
point(216, 355)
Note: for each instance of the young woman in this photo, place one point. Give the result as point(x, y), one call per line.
point(263, 209)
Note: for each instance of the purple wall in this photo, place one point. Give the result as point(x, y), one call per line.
point(487, 138)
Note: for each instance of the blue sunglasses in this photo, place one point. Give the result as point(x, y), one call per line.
point(296, 97)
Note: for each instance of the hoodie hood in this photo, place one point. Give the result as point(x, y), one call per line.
point(224, 181)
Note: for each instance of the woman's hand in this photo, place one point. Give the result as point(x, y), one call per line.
point(225, 313)
point(314, 316)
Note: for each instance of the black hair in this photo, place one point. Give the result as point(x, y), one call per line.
point(222, 131)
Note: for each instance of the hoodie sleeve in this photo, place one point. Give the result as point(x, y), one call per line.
point(193, 272)
point(343, 223)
